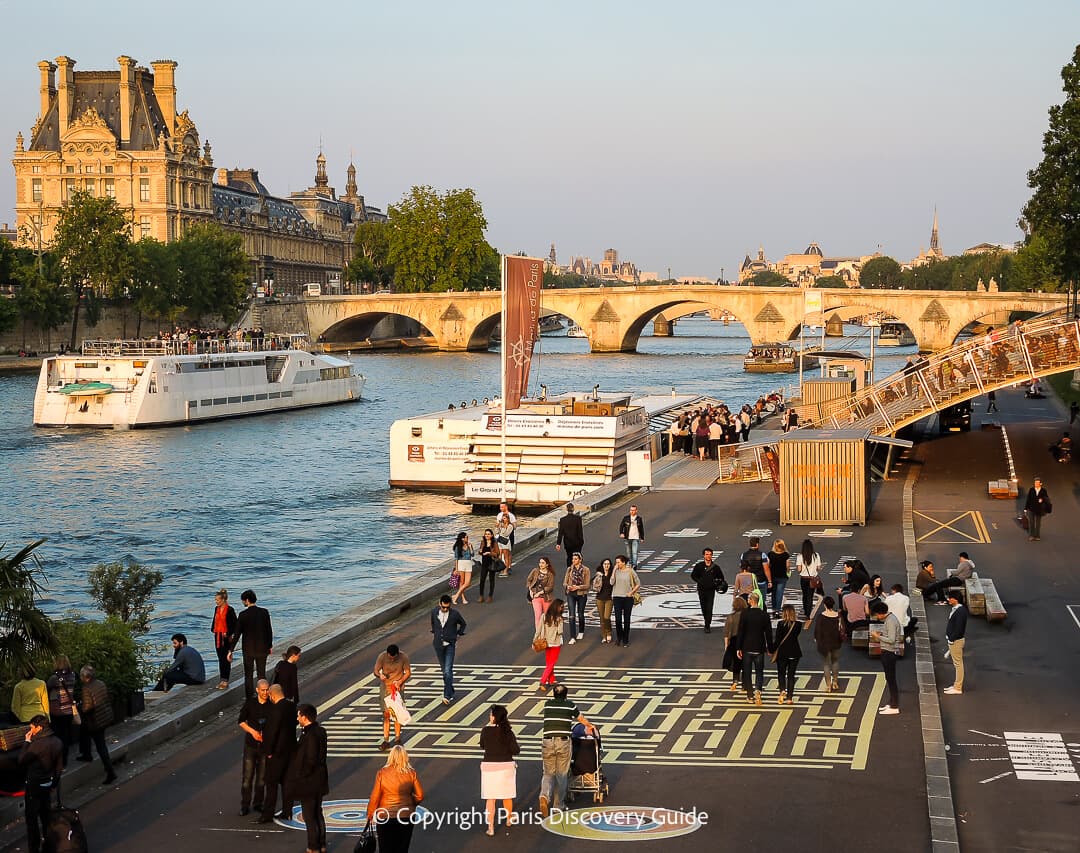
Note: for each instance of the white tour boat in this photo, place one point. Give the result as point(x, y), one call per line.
point(895, 335)
point(557, 447)
point(150, 383)
point(575, 331)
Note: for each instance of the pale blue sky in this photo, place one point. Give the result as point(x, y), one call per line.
point(680, 133)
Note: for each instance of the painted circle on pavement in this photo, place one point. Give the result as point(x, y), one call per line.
point(622, 823)
point(340, 816)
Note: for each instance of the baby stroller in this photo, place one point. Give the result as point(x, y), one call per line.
point(586, 765)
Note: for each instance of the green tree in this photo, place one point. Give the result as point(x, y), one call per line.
point(41, 298)
point(767, 278)
point(155, 285)
point(436, 241)
point(488, 276)
point(569, 279)
point(123, 590)
point(212, 272)
point(881, 272)
point(9, 314)
point(110, 648)
point(1053, 211)
point(26, 634)
point(829, 281)
point(371, 255)
point(1033, 268)
point(92, 244)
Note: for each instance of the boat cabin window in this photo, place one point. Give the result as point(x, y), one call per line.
point(334, 373)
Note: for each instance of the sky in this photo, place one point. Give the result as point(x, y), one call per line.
point(683, 134)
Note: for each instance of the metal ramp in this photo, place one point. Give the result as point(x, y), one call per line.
point(685, 475)
point(1029, 349)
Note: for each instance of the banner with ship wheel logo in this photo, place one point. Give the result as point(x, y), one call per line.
point(522, 280)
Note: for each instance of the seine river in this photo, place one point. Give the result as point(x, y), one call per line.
point(296, 506)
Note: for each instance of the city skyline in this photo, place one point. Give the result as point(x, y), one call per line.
point(685, 138)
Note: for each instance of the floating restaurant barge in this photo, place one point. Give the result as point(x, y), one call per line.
point(140, 383)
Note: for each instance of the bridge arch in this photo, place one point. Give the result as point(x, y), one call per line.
point(362, 327)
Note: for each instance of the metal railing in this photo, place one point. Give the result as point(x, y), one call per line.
point(193, 346)
point(1029, 349)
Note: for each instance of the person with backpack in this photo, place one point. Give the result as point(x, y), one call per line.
point(97, 715)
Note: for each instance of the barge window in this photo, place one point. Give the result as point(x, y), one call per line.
point(260, 396)
point(207, 402)
point(193, 404)
point(234, 399)
point(273, 395)
point(286, 394)
point(219, 401)
point(88, 364)
point(248, 398)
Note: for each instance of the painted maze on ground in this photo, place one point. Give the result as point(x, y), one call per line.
point(646, 716)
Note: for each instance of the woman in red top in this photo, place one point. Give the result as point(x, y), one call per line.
point(223, 627)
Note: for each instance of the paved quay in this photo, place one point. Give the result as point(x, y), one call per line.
point(675, 737)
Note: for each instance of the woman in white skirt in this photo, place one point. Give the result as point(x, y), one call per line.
point(498, 770)
point(463, 563)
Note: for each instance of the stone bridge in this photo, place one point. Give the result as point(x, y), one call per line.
point(613, 317)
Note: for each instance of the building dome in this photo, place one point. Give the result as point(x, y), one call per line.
point(813, 249)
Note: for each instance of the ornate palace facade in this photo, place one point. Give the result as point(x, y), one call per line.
point(118, 134)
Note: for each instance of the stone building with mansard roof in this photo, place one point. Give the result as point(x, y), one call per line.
point(119, 134)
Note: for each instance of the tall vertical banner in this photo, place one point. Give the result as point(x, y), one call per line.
point(522, 280)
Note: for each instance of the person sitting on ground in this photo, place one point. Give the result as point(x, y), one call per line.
point(187, 666)
point(925, 578)
point(857, 609)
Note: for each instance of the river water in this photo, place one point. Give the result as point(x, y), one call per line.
point(296, 506)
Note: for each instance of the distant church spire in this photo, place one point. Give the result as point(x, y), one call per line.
point(934, 247)
point(320, 171)
point(350, 184)
point(551, 255)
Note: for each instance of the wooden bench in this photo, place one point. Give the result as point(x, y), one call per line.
point(993, 609)
point(975, 595)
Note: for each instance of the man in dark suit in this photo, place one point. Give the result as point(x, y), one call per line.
point(254, 628)
point(571, 537)
point(308, 780)
point(446, 626)
point(278, 743)
point(753, 640)
point(710, 581)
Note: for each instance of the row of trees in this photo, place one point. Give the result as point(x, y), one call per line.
point(93, 261)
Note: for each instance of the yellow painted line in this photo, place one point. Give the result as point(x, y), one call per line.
point(980, 536)
point(775, 731)
point(745, 730)
point(982, 526)
point(866, 729)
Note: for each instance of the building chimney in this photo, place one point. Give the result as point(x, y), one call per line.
point(127, 97)
point(48, 85)
point(165, 92)
point(65, 91)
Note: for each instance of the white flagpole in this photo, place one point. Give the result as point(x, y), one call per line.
point(502, 366)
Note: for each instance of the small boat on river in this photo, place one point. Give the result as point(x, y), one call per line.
point(126, 384)
point(895, 335)
point(778, 357)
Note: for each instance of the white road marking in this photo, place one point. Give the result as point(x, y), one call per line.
point(1041, 757)
point(985, 734)
point(995, 778)
point(1074, 609)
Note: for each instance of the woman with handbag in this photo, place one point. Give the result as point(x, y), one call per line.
point(498, 770)
point(549, 636)
point(463, 563)
point(787, 653)
point(828, 638)
point(61, 690)
point(504, 535)
point(396, 794)
point(732, 662)
point(601, 585)
point(745, 582)
point(808, 565)
point(490, 556)
point(539, 586)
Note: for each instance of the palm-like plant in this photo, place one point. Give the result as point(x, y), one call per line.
point(26, 634)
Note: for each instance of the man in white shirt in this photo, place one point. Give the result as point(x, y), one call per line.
point(899, 604)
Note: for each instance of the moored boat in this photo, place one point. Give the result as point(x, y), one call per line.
point(126, 384)
point(575, 331)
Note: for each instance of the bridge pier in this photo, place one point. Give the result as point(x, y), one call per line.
point(663, 327)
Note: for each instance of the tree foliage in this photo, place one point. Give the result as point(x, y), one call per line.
point(768, 278)
point(92, 244)
point(569, 279)
point(1053, 211)
point(371, 256)
point(109, 647)
point(829, 281)
point(881, 272)
point(436, 241)
point(155, 281)
point(123, 590)
point(26, 634)
point(212, 271)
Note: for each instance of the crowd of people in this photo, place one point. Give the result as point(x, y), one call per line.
point(701, 432)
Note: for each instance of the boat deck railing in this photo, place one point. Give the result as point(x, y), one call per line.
point(1025, 350)
point(193, 346)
